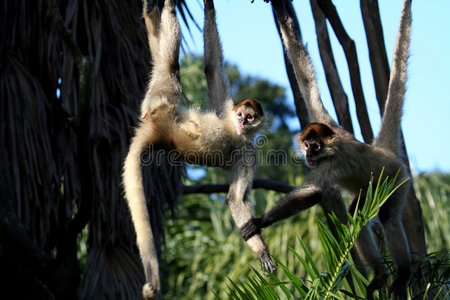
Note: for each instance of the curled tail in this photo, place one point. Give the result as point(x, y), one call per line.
point(388, 137)
point(134, 194)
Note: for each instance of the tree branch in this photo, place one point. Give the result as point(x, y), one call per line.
point(223, 188)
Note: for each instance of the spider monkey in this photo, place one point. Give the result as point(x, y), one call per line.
point(196, 136)
point(336, 157)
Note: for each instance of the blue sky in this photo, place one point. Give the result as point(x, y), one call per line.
point(251, 42)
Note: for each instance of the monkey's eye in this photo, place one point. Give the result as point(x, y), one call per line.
point(249, 117)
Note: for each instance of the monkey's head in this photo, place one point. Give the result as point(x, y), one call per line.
point(315, 143)
point(248, 116)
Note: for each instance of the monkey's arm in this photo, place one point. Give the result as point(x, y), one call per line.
point(301, 62)
point(241, 210)
point(218, 89)
point(295, 202)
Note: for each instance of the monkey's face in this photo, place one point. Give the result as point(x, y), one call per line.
point(312, 150)
point(314, 143)
point(246, 119)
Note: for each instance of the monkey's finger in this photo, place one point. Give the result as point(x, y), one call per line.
point(267, 263)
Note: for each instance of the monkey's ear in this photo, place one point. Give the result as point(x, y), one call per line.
point(315, 131)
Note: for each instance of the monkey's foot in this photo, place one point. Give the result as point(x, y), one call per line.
point(267, 263)
point(148, 291)
point(252, 227)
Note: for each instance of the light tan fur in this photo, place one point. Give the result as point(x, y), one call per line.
point(219, 138)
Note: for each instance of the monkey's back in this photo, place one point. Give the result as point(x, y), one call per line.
point(354, 158)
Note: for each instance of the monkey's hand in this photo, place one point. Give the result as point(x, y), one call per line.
point(267, 263)
point(252, 227)
point(148, 291)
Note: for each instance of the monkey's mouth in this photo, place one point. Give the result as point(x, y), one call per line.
point(311, 162)
point(242, 127)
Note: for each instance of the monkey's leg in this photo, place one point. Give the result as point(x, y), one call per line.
point(152, 23)
point(302, 64)
point(218, 89)
point(368, 249)
point(399, 250)
point(397, 243)
point(241, 211)
point(164, 85)
point(332, 202)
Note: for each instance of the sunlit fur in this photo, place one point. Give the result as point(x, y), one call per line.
point(336, 157)
point(221, 137)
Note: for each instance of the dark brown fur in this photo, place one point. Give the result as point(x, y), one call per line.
point(337, 158)
point(315, 130)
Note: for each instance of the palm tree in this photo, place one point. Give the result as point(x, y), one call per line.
point(73, 75)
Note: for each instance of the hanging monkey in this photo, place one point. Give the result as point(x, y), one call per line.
point(337, 158)
point(196, 136)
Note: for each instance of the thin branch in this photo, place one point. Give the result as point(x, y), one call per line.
point(223, 188)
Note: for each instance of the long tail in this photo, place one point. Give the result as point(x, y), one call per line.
point(134, 193)
point(388, 138)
